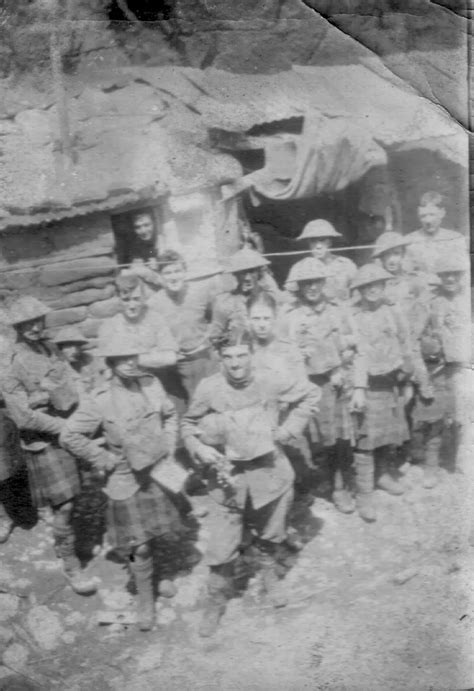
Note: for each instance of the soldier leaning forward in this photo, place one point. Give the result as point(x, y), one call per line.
point(139, 424)
point(378, 403)
point(445, 346)
point(38, 394)
point(233, 425)
point(325, 336)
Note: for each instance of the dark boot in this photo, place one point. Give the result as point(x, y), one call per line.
point(431, 464)
point(364, 471)
point(218, 592)
point(142, 569)
point(271, 583)
point(64, 546)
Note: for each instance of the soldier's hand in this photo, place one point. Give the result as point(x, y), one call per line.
point(207, 454)
point(336, 379)
point(106, 462)
point(38, 399)
point(408, 393)
point(358, 401)
point(282, 436)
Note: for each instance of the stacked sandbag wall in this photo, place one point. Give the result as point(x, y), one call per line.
point(75, 279)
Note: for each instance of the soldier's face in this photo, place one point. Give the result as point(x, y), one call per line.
point(71, 351)
point(312, 291)
point(133, 302)
point(32, 330)
point(247, 280)
point(431, 217)
point(236, 362)
point(126, 367)
point(373, 292)
point(319, 247)
point(262, 321)
point(143, 226)
point(451, 281)
point(173, 277)
point(392, 259)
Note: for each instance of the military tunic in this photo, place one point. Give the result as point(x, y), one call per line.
point(10, 452)
point(386, 361)
point(325, 336)
point(38, 392)
point(445, 345)
point(241, 421)
point(340, 272)
point(139, 425)
point(188, 316)
point(426, 250)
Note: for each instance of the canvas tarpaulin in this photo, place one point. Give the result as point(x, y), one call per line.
point(326, 157)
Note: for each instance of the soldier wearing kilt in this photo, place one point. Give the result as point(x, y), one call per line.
point(38, 393)
point(378, 403)
point(139, 424)
point(445, 345)
point(324, 334)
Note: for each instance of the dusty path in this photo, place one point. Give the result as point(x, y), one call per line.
point(350, 624)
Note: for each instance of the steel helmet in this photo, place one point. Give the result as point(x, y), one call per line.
point(120, 347)
point(69, 334)
point(451, 262)
point(369, 273)
point(246, 260)
point(24, 308)
point(388, 241)
point(308, 269)
point(320, 228)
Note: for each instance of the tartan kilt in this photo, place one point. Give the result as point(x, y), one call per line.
point(11, 453)
point(53, 476)
point(332, 421)
point(383, 421)
point(148, 514)
point(444, 404)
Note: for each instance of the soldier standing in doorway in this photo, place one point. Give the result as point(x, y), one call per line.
point(319, 236)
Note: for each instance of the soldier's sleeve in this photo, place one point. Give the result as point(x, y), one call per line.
point(170, 421)
point(163, 354)
point(353, 339)
point(303, 398)
point(78, 430)
point(15, 396)
point(199, 406)
point(220, 317)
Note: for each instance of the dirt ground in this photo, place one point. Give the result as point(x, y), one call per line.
point(376, 606)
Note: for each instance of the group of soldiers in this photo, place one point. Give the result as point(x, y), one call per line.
point(337, 379)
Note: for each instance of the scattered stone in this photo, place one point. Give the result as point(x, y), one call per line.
point(6, 635)
point(15, 656)
point(454, 567)
point(8, 606)
point(403, 576)
point(117, 599)
point(150, 659)
point(74, 618)
point(45, 627)
point(166, 616)
point(69, 637)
